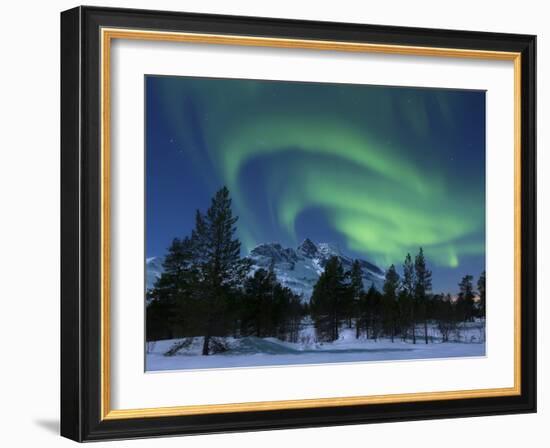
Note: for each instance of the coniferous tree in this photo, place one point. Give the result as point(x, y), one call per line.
point(465, 300)
point(287, 313)
point(220, 267)
point(371, 313)
point(328, 294)
point(408, 284)
point(374, 311)
point(445, 314)
point(356, 291)
point(171, 299)
point(481, 291)
point(258, 304)
point(422, 288)
point(268, 308)
point(391, 286)
point(363, 315)
point(404, 304)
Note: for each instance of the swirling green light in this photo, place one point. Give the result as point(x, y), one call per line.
point(379, 216)
point(367, 157)
point(319, 137)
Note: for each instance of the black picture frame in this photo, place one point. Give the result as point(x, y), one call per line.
point(81, 224)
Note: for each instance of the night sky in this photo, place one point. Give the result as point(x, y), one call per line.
point(375, 170)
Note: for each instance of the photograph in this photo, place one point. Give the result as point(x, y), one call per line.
point(294, 223)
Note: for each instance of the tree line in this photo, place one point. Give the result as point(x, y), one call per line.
point(405, 308)
point(206, 289)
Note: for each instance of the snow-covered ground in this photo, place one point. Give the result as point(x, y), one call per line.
point(252, 351)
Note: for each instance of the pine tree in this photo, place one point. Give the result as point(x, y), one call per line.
point(364, 312)
point(171, 299)
point(466, 298)
point(445, 314)
point(404, 304)
point(328, 293)
point(373, 305)
point(258, 304)
point(481, 291)
point(220, 267)
point(356, 290)
point(296, 311)
point(286, 314)
point(422, 287)
point(408, 284)
point(391, 286)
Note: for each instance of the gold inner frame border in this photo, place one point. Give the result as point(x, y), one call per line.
point(107, 36)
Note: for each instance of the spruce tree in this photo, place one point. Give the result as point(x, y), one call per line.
point(391, 286)
point(373, 305)
point(356, 290)
point(408, 287)
point(286, 314)
point(422, 287)
point(258, 309)
point(466, 296)
point(171, 299)
point(445, 314)
point(404, 304)
point(328, 294)
point(481, 291)
point(220, 267)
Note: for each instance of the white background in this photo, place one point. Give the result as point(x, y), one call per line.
point(29, 185)
point(132, 388)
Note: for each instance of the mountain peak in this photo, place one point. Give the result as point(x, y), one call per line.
point(308, 248)
point(329, 250)
point(298, 269)
point(274, 251)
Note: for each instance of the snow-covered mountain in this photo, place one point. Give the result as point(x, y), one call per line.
point(298, 269)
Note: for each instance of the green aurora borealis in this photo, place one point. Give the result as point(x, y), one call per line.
point(378, 170)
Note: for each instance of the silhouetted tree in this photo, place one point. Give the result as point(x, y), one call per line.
point(422, 288)
point(408, 285)
point(446, 316)
point(404, 304)
point(391, 286)
point(356, 290)
point(481, 291)
point(465, 301)
point(220, 267)
point(171, 300)
point(258, 304)
point(328, 294)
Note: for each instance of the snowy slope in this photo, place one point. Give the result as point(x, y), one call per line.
point(298, 269)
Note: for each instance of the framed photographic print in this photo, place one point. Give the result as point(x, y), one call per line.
point(275, 224)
